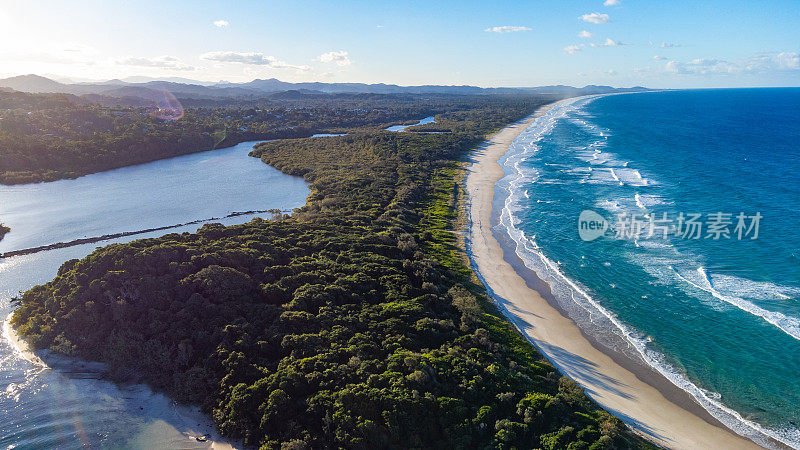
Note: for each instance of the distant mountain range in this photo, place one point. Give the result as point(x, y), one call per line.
point(153, 89)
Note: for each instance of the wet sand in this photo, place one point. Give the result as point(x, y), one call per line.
point(665, 414)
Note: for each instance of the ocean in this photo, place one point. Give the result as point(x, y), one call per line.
point(692, 264)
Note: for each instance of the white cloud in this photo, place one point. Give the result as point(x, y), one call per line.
point(585, 34)
point(595, 18)
point(787, 60)
point(221, 23)
point(251, 58)
point(340, 58)
point(674, 67)
point(611, 3)
point(702, 66)
point(659, 58)
point(572, 49)
point(760, 63)
point(669, 45)
point(609, 43)
point(507, 29)
point(164, 62)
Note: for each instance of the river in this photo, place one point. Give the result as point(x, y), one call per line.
point(71, 407)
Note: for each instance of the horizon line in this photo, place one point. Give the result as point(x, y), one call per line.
point(198, 82)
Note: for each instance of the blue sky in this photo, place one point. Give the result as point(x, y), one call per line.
point(525, 43)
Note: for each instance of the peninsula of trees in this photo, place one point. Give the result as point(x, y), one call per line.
point(353, 323)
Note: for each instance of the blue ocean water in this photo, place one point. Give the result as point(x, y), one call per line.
point(719, 317)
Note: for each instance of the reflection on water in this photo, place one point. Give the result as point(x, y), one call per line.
point(402, 128)
point(70, 407)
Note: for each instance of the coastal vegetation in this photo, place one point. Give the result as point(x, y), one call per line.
point(353, 323)
point(45, 137)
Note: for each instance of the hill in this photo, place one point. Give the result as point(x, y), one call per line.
point(34, 84)
point(258, 88)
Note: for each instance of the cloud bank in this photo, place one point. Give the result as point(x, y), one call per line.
point(609, 43)
point(507, 29)
point(760, 63)
point(164, 62)
point(251, 58)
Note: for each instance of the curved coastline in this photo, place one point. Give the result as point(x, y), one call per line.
point(172, 424)
point(646, 400)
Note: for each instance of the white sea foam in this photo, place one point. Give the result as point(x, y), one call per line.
point(562, 286)
point(614, 175)
point(631, 177)
point(589, 127)
point(600, 158)
point(638, 199)
point(611, 206)
point(586, 155)
point(789, 325)
point(652, 243)
point(605, 175)
point(613, 161)
point(760, 290)
point(650, 200)
point(567, 290)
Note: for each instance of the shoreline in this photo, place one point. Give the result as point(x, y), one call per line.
point(648, 403)
point(170, 424)
point(19, 345)
point(108, 237)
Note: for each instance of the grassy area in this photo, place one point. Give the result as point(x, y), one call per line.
point(439, 230)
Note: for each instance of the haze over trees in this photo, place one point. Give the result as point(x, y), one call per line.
point(45, 137)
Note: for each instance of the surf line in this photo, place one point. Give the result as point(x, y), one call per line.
point(105, 237)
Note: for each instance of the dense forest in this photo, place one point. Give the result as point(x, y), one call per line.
point(353, 323)
point(45, 137)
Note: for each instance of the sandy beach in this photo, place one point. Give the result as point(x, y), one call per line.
point(169, 425)
point(669, 422)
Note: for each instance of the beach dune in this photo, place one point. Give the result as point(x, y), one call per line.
point(643, 407)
